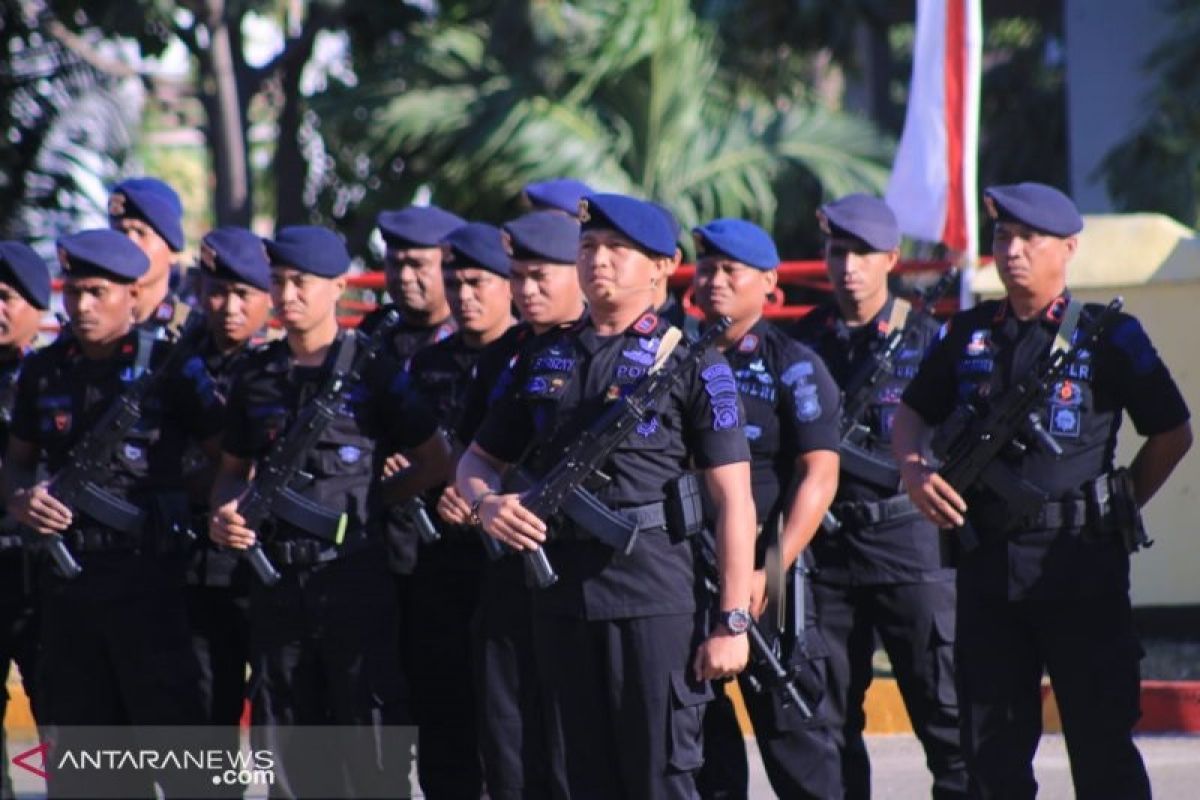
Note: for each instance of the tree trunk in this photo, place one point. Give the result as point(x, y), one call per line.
point(289, 167)
point(227, 122)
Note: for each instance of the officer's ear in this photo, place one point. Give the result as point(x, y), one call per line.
point(770, 279)
point(893, 259)
point(1071, 244)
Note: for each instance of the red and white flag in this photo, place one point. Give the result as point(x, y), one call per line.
point(933, 185)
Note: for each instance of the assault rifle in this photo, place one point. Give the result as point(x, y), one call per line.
point(765, 672)
point(969, 443)
point(561, 488)
point(78, 485)
point(856, 459)
point(273, 492)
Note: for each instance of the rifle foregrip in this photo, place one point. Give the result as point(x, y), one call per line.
point(262, 565)
point(539, 574)
point(64, 563)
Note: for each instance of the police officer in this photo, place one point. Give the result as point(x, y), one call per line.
point(234, 294)
point(542, 247)
point(884, 573)
point(322, 639)
point(149, 212)
point(24, 298)
point(114, 640)
point(444, 589)
point(413, 269)
point(1051, 590)
point(557, 195)
point(623, 663)
point(792, 410)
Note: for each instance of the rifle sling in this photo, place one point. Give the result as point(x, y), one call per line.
point(899, 316)
point(1068, 326)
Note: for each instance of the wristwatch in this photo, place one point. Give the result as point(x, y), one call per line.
point(475, 508)
point(736, 621)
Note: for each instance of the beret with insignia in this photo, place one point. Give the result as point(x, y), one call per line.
point(151, 200)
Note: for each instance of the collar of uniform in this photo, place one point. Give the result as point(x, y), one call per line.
point(126, 350)
point(877, 327)
point(284, 360)
point(752, 340)
point(646, 324)
point(1050, 316)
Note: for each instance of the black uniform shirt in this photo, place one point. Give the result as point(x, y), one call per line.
point(10, 371)
point(984, 350)
point(906, 552)
point(443, 373)
point(564, 382)
point(212, 565)
point(61, 394)
point(792, 407)
point(382, 407)
point(408, 337)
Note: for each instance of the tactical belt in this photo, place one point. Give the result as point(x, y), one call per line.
point(862, 514)
point(1072, 514)
point(307, 552)
point(99, 540)
point(650, 517)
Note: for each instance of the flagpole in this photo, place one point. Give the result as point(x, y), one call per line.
point(974, 70)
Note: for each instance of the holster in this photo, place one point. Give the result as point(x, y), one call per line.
point(684, 506)
point(1113, 508)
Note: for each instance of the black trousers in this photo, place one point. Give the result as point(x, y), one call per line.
point(915, 623)
point(624, 714)
point(800, 756)
point(1089, 646)
point(512, 734)
point(443, 596)
point(324, 647)
point(18, 642)
point(116, 652)
point(220, 626)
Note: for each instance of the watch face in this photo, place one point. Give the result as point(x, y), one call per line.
point(737, 620)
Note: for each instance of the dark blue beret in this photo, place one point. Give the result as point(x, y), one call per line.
point(104, 252)
point(476, 245)
point(563, 194)
point(309, 248)
point(1037, 205)
point(236, 254)
point(155, 202)
point(417, 226)
point(24, 270)
point(862, 217)
point(739, 240)
point(648, 225)
point(543, 235)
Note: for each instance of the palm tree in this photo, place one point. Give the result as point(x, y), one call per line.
point(625, 94)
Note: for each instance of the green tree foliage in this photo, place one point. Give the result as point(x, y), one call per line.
point(1157, 168)
point(628, 95)
point(68, 129)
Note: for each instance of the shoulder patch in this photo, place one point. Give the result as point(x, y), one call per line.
point(721, 388)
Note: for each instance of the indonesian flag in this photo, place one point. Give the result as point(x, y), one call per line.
point(933, 185)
